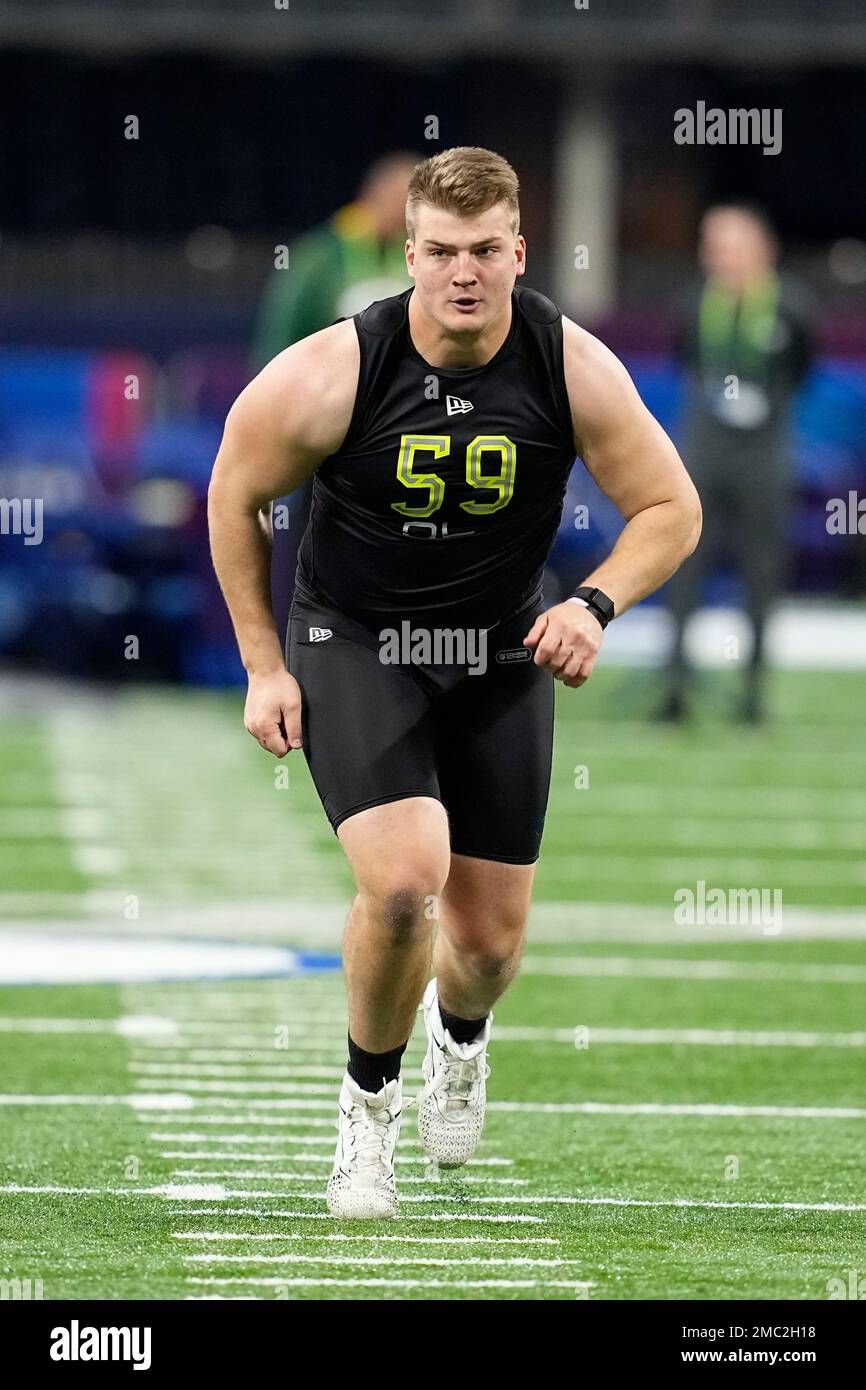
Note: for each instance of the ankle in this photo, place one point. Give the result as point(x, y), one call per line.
point(462, 1030)
point(373, 1070)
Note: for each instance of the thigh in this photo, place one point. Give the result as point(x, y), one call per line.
point(495, 743)
point(366, 727)
point(399, 851)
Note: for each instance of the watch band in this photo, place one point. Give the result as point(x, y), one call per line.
point(598, 603)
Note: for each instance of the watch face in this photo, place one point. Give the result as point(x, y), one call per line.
point(601, 601)
point(596, 600)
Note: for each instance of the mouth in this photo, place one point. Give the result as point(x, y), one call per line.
point(466, 304)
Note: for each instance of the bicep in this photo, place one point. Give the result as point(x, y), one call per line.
point(259, 460)
point(624, 448)
point(288, 420)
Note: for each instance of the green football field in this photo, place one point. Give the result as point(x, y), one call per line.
point(676, 1111)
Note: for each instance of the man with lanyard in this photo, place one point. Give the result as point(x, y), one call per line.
point(745, 345)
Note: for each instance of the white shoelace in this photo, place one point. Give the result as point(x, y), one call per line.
point(369, 1131)
point(461, 1078)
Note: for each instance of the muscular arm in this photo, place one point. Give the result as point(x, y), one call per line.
point(281, 427)
point(635, 464)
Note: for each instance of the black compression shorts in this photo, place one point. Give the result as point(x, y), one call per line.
point(379, 730)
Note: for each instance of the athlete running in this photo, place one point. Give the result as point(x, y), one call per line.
point(441, 426)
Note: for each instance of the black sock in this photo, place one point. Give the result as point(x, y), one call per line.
point(461, 1029)
point(373, 1070)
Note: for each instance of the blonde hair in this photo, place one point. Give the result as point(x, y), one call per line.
point(464, 180)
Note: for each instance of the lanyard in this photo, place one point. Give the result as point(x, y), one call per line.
point(735, 331)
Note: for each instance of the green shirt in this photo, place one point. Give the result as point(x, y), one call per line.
point(334, 271)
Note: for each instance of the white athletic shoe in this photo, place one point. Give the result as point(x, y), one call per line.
point(362, 1183)
point(451, 1105)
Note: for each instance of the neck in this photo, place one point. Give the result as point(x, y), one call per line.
point(443, 349)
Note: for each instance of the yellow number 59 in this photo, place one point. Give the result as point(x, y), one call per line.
point(500, 482)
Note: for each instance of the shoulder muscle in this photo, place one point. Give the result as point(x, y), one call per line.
point(295, 413)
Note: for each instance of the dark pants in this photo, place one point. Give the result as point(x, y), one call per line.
point(745, 526)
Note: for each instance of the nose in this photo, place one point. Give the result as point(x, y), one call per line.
point(464, 271)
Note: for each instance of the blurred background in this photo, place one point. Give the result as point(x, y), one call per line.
point(153, 157)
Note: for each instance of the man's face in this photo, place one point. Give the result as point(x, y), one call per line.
point(464, 268)
point(733, 248)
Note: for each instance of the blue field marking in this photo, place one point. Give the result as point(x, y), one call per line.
point(37, 956)
point(311, 962)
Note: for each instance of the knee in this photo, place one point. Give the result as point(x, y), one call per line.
point(405, 905)
point(492, 952)
point(489, 963)
point(403, 913)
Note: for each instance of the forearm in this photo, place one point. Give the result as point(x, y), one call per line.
point(241, 552)
point(649, 549)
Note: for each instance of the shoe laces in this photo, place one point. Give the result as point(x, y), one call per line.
point(461, 1077)
point(368, 1128)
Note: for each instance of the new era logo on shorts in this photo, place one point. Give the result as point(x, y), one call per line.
point(454, 405)
point(320, 634)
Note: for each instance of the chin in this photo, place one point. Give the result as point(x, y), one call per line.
point(468, 324)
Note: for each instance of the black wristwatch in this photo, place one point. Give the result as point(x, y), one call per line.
point(599, 605)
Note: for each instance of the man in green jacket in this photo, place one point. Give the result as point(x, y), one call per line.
point(340, 267)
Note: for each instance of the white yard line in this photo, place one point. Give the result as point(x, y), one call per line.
point(703, 1111)
point(244, 1088)
point(277, 1281)
point(160, 1102)
point(92, 836)
point(130, 1025)
point(516, 1218)
point(710, 804)
point(321, 1046)
point(632, 866)
point(708, 1110)
point(201, 1192)
point(317, 926)
point(690, 1037)
point(648, 967)
point(256, 1071)
point(599, 827)
point(389, 1261)
point(313, 1158)
point(204, 1174)
point(524, 1199)
point(144, 1101)
point(284, 1122)
point(375, 1239)
point(182, 833)
point(331, 1052)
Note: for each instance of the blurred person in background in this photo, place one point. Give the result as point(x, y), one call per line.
point(334, 271)
point(745, 344)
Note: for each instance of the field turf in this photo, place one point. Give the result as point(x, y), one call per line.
point(675, 1111)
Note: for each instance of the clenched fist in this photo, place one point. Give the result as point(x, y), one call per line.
point(566, 639)
point(272, 713)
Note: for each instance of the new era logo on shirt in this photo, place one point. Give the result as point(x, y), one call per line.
point(320, 634)
point(455, 406)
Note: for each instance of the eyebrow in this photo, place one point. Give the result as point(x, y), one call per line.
point(447, 246)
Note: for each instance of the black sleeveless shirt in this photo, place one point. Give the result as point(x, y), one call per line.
point(443, 501)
